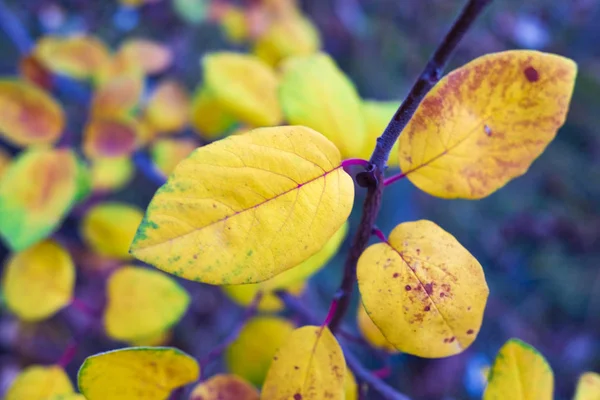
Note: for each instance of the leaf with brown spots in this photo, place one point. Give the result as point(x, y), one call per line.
point(486, 122)
point(224, 387)
point(423, 290)
point(308, 366)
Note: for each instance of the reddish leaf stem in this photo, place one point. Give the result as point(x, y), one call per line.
point(380, 235)
point(393, 178)
point(68, 354)
point(84, 308)
point(354, 161)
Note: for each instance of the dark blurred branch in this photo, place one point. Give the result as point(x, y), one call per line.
point(372, 178)
point(14, 29)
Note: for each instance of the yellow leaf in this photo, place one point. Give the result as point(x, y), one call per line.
point(168, 108)
point(153, 57)
point(291, 280)
point(244, 86)
point(377, 115)
point(486, 122)
point(110, 137)
point(136, 373)
point(4, 161)
point(29, 115)
point(40, 383)
point(78, 57)
point(209, 119)
point(423, 290)
point(156, 339)
point(108, 228)
point(287, 37)
point(39, 281)
point(119, 96)
point(316, 93)
point(246, 208)
point(110, 174)
point(371, 332)
point(520, 373)
point(250, 355)
point(142, 303)
point(122, 64)
point(350, 386)
point(224, 387)
point(36, 192)
point(72, 396)
point(234, 24)
point(588, 387)
point(167, 153)
point(308, 366)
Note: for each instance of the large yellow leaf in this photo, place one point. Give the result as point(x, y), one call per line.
point(168, 108)
point(36, 192)
point(108, 228)
point(519, 373)
point(136, 373)
point(316, 93)
point(39, 281)
point(588, 387)
point(28, 115)
point(371, 332)
point(291, 280)
point(224, 387)
point(243, 209)
point(250, 355)
point(377, 115)
point(40, 383)
point(308, 366)
point(350, 386)
point(244, 86)
point(141, 303)
point(209, 118)
point(424, 291)
point(486, 122)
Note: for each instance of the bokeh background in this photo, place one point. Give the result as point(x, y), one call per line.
point(538, 238)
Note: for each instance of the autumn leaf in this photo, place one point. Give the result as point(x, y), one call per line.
point(142, 303)
point(4, 161)
point(234, 24)
point(423, 290)
point(114, 137)
point(168, 107)
point(29, 115)
point(136, 373)
point(308, 366)
point(224, 387)
point(108, 228)
point(520, 373)
point(40, 383)
point(486, 122)
point(167, 153)
point(350, 386)
point(371, 332)
point(154, 57)
point(246, 208)
point(109, 174)
point(244, 86)
point(588, 387)
point(155, 339)
point(118, 97)
point(208, 118)
point(251, 353)
point(36, 192)
point(315, 92)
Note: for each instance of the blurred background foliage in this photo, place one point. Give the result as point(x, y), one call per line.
point(538, 239)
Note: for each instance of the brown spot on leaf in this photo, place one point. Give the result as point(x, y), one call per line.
point(297, 396)
point(470, 332)
point(428, 288)
point(442, 294)
point(407, 287)
point(427, 308)
point(296, 367)
point(396, 275)
point(531, 74)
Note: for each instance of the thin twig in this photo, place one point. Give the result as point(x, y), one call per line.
point(372, 178)
point(389, 180)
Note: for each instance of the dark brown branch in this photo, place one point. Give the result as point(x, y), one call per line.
point(372, 178)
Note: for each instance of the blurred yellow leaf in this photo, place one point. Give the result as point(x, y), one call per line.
point(291, 280)
point(108, 228)
point(156, 339)
point(250, 355)
point(234, 24)
point(119, 96)
point(36, 192)
point(350, 386)
point(168, 108)
point(142, 303)
point(520, 373)
point(371, 332)
point(167, 153)
point(209, 119)
point(588, 387)
point(122, 64)
point(244, 86)
point(308, 366)
point(72, 396)
point(423, 290)
point(136, 373)
point(154, 57)
point(29, 115)
point(316, 93)
point(4, 161)
point(39, 281)
point(40, 383)
point(486, 122)
point(78, 57)
point(109, 174)
point(224, 387)
point(246, 208)
point(110, 137)
point(377, 115)
point(287, 37)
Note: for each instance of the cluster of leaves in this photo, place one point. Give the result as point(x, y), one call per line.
point(260, 208)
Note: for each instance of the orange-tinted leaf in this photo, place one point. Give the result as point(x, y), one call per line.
point(167, 153)
point(168, 108)
point(154, 57)
point(4, 161)
point(119, 96)
point(224, 387)
point(28, 115)
point(110, 137)
point(32, 70)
